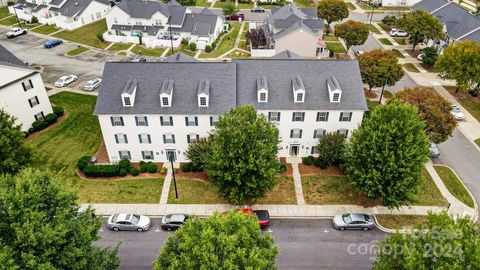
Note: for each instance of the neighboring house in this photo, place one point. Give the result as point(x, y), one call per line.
point(22, 93)
point(153, 23)
point(459, 24)
point(65, 14)
point(395, 3)
point(291, 28)
point(148, 111)
point(3, 3)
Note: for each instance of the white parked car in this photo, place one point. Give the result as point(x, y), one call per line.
point(129, 222)
point(457, 113)
point(359, 52)
point(420, 57)
point(92, 84)
point(65, 80)
point(15, 32)
point(398, 33)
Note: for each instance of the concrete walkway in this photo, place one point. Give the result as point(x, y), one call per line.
point(56, 90)
point(166, 187)
point(297, 179)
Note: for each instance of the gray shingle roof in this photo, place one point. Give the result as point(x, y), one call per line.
point(199, 24)
point(231, 84)
point(167, 87)
point(262, 83)
point(9, 59)
point(287, 55)
point(143, 9)
point(179, 58)
point(56, 2)
point(76, 7)
point(204, 87)
point(430, 5)
point(292, 28)
point(289, 18)
point(130, 86)
point(290, 9)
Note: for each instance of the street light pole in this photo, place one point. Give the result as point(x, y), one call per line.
point(371, 14)
point(16, 16)
point(173, 173)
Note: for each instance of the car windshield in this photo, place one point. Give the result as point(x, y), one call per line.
point(456, 110)
point(114, 218)
point(135, 219)
point(88, 84)
point(347, 218)
point(367, 218)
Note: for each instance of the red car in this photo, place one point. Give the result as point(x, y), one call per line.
point(262, 215)
point(235, 17)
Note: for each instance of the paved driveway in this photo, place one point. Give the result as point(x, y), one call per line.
point(304, 244)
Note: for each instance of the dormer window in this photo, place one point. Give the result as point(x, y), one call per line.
point(298, 89)
point(128, 93)
point(336, 97)
point(262, 89)
point(299, 97)
point(334, 90)
point(165, 101)
point(166, 93)
point(203, 101)
point(126, 101)
point(203, 93)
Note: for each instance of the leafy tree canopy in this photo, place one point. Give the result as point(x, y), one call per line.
point(198, 152)
point(387, 152)
point(243, 155)
point(378, 67)
point(429, 56)
point(332, 10)
point(421, 25)
point(443, 243)
point(228, 241)
point(40, 227)
point(433, 109)
point(14, 154)
point(229, 8)
point(331, 148)
point(354, 33)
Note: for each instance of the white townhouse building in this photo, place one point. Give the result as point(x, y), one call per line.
point(65, 14)
point(22, 93)
point(148, 111)
point(152, 22)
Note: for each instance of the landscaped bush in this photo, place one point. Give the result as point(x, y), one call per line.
point(208, 48)
point(282, 168)
point(58, 110)
point(331, 148)
point(125, 164)
point(163, 171)
point(148, 167)
point(143, 166)
point(83, 162)
point(39, 125)
point(198, 152)
point(50, 118)
point(101, 170)
point(308, 160)
point(186, 167)
point(34, 19)
point(389, 20)
point(184, 41)
point(320, 163)
point(214, 45)
point(122, 172)
point(193, 46)
point(134, 171)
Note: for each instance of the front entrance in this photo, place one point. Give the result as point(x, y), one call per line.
point(294, 148)
point(171, 155)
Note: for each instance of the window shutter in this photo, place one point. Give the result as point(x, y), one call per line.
point(188, 138)
point(293, 116)
point(129, 156)
point(23, 85)
point(315, 134)
point(116, 138)
point(161, 120)
point(318, 116)
point(140, 138)
point(36, 98)
point(164, 139)
point(146, 121)
point(173, 138)
point(269, 115)
point(126, 139)
point(143, 154)
point(303, 116)
point(350, 117)
point(121, 120)
point(291, 133)
point(326, 117)
point(198, 137)
point(149, 139)
point(211, 121)
point(31, 84)
point(30, 102)
point(341, 115)
point(346, 133)
point(111, 120)
point(136, 120)
point(278, 116)
point(324, 132)
point(120, 154)
point(300, 134)
point(171, 121)
point(196, 121)
point(186, 120)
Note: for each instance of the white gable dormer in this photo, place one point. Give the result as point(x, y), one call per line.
point(298, 90)
point(334, 90)
point(262, 89)
point(128, 93)
point(166, 93)
point(203, 93)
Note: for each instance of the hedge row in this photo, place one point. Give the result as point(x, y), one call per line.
point(316, 162)
point(121, 169)
point(48, 120)
point(189, 167)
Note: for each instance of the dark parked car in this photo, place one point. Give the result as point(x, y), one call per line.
point(172, 222)
point(353, 221)
point(52, 43)
point(235, 17)
point(258, 10)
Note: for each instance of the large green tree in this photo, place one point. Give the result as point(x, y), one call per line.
point(198, 152)
point(40, 227)
point(243, 155)
point(228, 241)
point(229, 8)
point(14, 154)
point(461, 61)
point(331, 148)
point(387, 152)
point(332, 11)
point(421, 25)
point(443, 243)
point(378, 67)
point(433, 109)
point(352, 32)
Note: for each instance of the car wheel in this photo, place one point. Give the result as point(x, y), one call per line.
point(342, 228)
point(115, 229)
point(365, 229)
point(140, 229)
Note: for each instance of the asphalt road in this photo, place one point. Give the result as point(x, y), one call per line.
point(459, 153)
point(304, 244)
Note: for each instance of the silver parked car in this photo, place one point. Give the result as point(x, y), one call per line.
point(353, 221)
point(434, 152)
point(92, 84)
point(129, 222)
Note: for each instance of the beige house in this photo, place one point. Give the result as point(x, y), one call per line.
point(300, 40)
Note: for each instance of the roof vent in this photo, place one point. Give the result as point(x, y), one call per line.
point(76, 3)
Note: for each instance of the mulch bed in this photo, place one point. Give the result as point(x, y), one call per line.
point(370, 94)
point(289, 170)
point(126, 177)
point(102, 155)
point(311, 169)
point(191, 175)
point(59, 121)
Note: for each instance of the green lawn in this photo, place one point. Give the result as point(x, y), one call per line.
point(4, 12)
point(192, 191)
point(282, 193)
point(398, 54)
point(27, 25)
point(226, 44)
point(336, 47)
point(351, 6)
point(45, 29)
point(77, 51)
point(385, 27)
point(477, 141)
point(372, 104)
point(400, 40)
point(87, 34)
point(59, 148)
point(305, 3)
point(470, 103)
point(454, 185)
point(219, 4)
point(244, 32)
point(330, 38)
point(122, 53)
point(245, 5)
point(385, 41)
point(400, 221)
point(140, 49)
point(373, 28)
point(387, 94)
point(411, 67)
point(119, 47)
point(429, 194)
point(237, 54)
point(8, 21)
point(202, 3)
point(186, 50)
point(242, 44)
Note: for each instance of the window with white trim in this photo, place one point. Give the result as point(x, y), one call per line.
point(296, 133)
point(39, 116)
point(121, 138)
point(314, 150)
point(343, 132)
point(147, 155)
point(33, 101)
point(192, 138)
point(191, 121)
point(274, 116)
point(165, 101)
point(116, 120)
point(144, 138)
point(203, 101)
point(298, 116)
point(317, 133)
point(141, 121)
point(166, 120)
point(27, 85)
point(126, 101)
point(124, 154)
point(263, 97)
point(299, 97)
point(345, 117)
point(336, 97)
point(158, 22)
point(322, 116)
point(168, 138)
point(214, 120)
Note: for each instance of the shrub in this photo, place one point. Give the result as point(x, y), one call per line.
point(184, 41)
point(320, 163)
point(197, 153)
point(186, 167)
point(125, 164)
point(282, 168)
point(134, 171)
point(430, 56)
point(389, 20)
point(143, 166)
point(208, 48)
point(163, 171)
point(83, 162)
point(193, 46)
point(100, 37)
point(101, 170)
point(331, 148)
point(148, 167)
point(58, 110)
point(308, 160)
point(214, 44)
point(122, 172)
point(30, 130)
point(39, 124)
point(50, 118)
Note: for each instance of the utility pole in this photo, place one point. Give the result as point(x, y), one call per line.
point(16, 16)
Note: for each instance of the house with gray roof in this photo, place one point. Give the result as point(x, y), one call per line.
point(459, 24)
point(292, 28)
point(148, 111)
point(66, 14)
point(155, 23)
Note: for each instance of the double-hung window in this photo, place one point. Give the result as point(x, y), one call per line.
point(214, 120)
point(191, 121)
point(274, 116)
point(343, 132)
point(296, 133)
point(147, 155)
point(345, 117)
point(192, 138)
point(298, 116)
point(165, 101)
point(166, 120)
point(317, 133)
point(168, 138)
point(124, 154)
point(33, 101)
point(322, 116)
point(144, 138)
point(116, 120)
point(27, 85)
point(126, 101)
point(121, 138)
point(39, 116)
point(336, 97)
point(141, 121)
